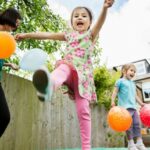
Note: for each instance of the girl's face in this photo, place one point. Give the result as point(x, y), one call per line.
point(17, 24)
point(130, 73)
point(81, 20)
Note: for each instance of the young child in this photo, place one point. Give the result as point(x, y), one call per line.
point(127, 97)
point(75, 69)
point(9, 21)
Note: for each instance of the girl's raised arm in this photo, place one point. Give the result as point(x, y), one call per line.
point(101, 19)
point(41, 36)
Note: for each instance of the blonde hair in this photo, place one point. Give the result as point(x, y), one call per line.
point(125, 68)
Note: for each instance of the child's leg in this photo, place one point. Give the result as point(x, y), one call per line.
point(45, 82)
point(4, 112)
point(60, 75)
point(63, 74)
point(130, 131)
point(130, 134)
point(137, 132)
point(83, 113)
point(136, 125)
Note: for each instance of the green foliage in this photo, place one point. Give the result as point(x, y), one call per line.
point(36, 16)
point(104, 82)
point(111, 138)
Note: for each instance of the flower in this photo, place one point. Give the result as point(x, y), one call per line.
point(80, 52)
point(85, 84)
point(86, 39)
point(69, 57)
point(74, 43)
point(89, 61)
point(91, 76)
point(94, 95)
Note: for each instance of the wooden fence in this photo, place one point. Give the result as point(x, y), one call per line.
point(51, 125)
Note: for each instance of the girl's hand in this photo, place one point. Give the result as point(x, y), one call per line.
point(108, 3)
point(14, 67)
point(142, 104)
point(20, 36)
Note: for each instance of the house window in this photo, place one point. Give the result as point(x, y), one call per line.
point(140, 68)
point(146, 91)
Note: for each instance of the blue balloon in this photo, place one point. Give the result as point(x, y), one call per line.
point(33, 59)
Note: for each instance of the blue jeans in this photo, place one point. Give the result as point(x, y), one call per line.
point(135, 130)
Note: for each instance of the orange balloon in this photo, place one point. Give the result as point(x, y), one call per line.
point(119, 119)
point(7, 45)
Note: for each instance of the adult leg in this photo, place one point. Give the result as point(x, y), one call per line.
point(4, 112)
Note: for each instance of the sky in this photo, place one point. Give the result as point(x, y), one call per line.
point(125, 35)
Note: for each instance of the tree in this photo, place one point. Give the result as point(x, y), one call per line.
point(36, 17)
point(104, 81)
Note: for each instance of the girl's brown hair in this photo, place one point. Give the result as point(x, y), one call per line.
point(9, 17)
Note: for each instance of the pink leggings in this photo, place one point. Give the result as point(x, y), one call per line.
point(64, 75)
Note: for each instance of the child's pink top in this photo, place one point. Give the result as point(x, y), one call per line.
point(78, 56)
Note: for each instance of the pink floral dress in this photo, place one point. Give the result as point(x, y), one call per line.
point(78, 56)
